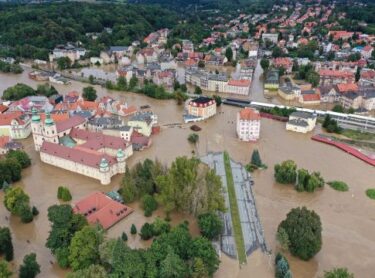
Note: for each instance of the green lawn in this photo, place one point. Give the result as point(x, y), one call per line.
point(338, 185)
point(238, 236)
point(357, 135)
point(371, 193)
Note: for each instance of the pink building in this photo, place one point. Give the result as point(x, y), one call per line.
point(248, 124)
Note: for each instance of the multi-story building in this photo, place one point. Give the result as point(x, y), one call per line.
point(301, 122)
point(16, 125)
point(199, 109)
point(333, 77)
point(238, 87)
point(248, 124)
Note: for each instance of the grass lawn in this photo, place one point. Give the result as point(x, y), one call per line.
point(371, 193)
point(357, 135)
point(339, 185)
point(238, 236)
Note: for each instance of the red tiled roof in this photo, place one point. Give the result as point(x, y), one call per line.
point(368, 74)
point(248, 114)
point(3, 108)
point(347, 87)
point(311, 97)
point(239, 83)
point(91, 159)
point(4, 140)
point(6, 119)
point(336, 73)
point(99, 208)
point(70, 123)
point(97, 141)
point(56, 117)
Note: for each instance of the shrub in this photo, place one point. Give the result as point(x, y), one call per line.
point(34, 211)
point(193, 138)
point(371, 193)
point(26, 215)
point(339, 185)
point(30, 267)
point(304, 230)
point(338, 273)
point(63, 193)
point(160, 226)
point(124, 236)
point(210, 225)
point(133, 229)
point(62, 257)
point(6, 245)
point(286, 172)
point(149, 204)
point(281, 267)
point(22, 158)
point(146, 231)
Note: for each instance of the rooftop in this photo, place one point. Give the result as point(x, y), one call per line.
point(249, 114)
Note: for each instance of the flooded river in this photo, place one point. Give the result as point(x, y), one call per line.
point(348, 218)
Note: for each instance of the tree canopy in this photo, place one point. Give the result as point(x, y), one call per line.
point(18, 91)
point(30, 267)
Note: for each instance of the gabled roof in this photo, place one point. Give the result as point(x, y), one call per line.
point(70, 123)
point(248, 114)
point(99, 208)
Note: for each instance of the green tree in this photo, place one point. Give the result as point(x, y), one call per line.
point(63, 193)
point(146, 231)
point(265, 64)
point(282, 267)
point(183, 88)
point(34, 211)
point(304, 231)
point(201, 64)
point(202, 248)
point(172, 266)
point(14, 168)
point(89, 93)
point(30, 267)
point(286, 172)
point(199, 269)
point(338, 273)
point(313, 78)
point(124, 236)
point(283, 238)
point(133, 82)
point(133, 229)
point(21, 156)
point(4, 270)
point(17, 202)
point(63, 63)
point(338, 108)
point(193, 138)
point(160, 226)
point(17, 92)
point(122, 84)
point(128, 190)
point(84, 247)
point(149, 204)
point(91, 79)
point(277, 52)
point(197, 90)
point(6, 245)
point(210, 225)
point(218, 100)
point(93, 271)
point(229, 54)
point(255, 158)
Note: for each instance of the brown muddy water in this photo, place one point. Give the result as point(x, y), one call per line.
point(348, 218)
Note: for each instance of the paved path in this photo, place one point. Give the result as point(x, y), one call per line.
point(251, 227)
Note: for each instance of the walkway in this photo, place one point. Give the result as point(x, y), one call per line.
point(252, 230)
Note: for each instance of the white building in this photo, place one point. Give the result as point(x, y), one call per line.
point(301, 122)
point(270, 37)
point(248, 124)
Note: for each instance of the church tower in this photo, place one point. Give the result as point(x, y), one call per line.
point(36, 129)
point(50, 130)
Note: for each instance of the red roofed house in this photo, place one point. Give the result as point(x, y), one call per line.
point(15, 124)
point(344, 35)
point(333, 77)
point(343, 88)
point(367, 51)
point(283, 62)
point(367, 78)
point(248, 124)
point(310, 99)
point(98, 208)
point(238, 87)
point(3, 108)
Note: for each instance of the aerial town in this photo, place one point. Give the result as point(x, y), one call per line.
point(203, 139)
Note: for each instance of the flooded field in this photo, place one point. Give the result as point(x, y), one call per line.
point(348, 218)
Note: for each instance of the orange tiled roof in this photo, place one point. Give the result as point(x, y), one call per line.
point(347, 87)
point(311, 97)
point(239, 83)
point(248, 114)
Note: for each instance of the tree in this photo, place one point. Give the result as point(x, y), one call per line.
point(229, 54)
point(217, 99)
point(197, 90)
point(21, 156)
point(176, 85)
point(14, 169)
point(4, 270)
point(124, 236)
point(63, 63)
point(93, 271)
point(122, 84)
point(180, 97)
point(338, 273)
point(210, 225)
point(338, 108)
point(89, 93)
point(201, 64)
point(199, 269)
point(63, 193)
point(160, 226)
point(313, 78)
point(277, 52)
point(133, 229)
point(149, 204)
point(304, 231)
point(84, 247)
point(255, 158)
point(303, 178)
point(183, 88)
point(17, 92)
point(133, 82)
point(146, 231)
point(282, 267)
point(193, 138)
point(265, 64)
point(286, 172)
point(6, 245)
point(172, 266)
point(202, 248)
point(282, 238)
point(30, 267)
point(358, 74)
point(91, 79)
point(17, 202)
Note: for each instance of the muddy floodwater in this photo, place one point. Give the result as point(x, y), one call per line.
point(348, 218)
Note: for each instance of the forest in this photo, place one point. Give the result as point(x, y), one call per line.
point(30, 31)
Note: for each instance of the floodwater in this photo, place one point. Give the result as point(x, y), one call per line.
point(347, 217)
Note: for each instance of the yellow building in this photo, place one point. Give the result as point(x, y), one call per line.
point(199, 109)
